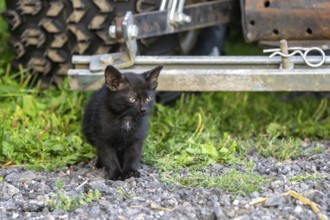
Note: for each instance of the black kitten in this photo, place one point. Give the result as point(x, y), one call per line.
point(116, 120)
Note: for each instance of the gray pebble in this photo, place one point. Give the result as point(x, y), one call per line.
point(298, 209)
point(24, 193)
point(7, 190)
point(275, 200)
point(21, 177)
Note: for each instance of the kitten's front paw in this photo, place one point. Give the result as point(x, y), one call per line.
point(98, 164)
point(131, 173)
point(114, 175)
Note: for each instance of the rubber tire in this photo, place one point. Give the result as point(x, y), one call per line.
point(39, 37)
point(45, 34)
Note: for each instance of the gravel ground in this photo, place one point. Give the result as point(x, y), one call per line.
point(24, 192)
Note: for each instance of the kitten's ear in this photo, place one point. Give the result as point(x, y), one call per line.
point(114, 80)
point(152, 76)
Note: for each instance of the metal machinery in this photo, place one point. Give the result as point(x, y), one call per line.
point(298, 63)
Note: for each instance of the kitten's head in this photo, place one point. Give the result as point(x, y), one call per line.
point(131, 93)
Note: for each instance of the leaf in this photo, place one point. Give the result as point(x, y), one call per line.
point(192, 150)
point(276, 129)
point(7, 149)
point(57, 147)
point(29, 105)
point(210, 150)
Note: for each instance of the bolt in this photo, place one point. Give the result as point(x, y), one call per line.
point(112, 31)
point(186, 18)
point(180, 19)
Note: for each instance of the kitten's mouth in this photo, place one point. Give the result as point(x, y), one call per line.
point(143, 113)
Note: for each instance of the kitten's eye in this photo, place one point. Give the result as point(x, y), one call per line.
point(132, 99)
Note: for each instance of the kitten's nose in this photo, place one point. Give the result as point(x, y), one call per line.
point(143, 110)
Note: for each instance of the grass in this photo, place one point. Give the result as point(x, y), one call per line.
point(218, 127)
point(41, 129)
point(307, 177)
point(60, 201)
point(233, 181)
point(280, 148)
point(122, 193)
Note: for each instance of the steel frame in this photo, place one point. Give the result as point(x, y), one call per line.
point(227, 73)
point(285, 72)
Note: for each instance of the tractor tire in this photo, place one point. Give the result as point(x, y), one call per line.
point(45, 34)
point(38, 37)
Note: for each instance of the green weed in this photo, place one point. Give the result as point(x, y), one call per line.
point(233, 181)
point(60, 201)
point(317, 148)
point(307, 177)
point(280, 148)
point(124, 194)
point(40, 129)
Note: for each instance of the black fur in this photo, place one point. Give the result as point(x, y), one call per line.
point(116, 120)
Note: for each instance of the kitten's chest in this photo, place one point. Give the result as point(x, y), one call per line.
point(127, 124)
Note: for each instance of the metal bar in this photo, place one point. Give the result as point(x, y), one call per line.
point(284, 49)
point(235, 60)
point(221, 79)
point(224, 73)
point(181, 5)
point(206, 60)
point(163, 5)
point(173, 9)
point(202, 15)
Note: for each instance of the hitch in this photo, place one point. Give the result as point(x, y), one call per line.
point(219, 73)
point(281, 71)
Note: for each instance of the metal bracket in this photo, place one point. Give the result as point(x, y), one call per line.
point(122, 59)
point(173, 17)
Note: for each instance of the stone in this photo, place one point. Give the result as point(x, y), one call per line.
point(285, 170)
point(236, 202)
point(98, 185)
point(255, 194)
point(219, 214)
point(21, 177)
point(243, 217)
point(276, 184)
point(8, 191)
point(275, 200)
point(298, 209)
point(314, 195)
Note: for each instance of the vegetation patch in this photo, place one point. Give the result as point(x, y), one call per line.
point(307, 177)
point(124, 194)
point(280, 148)
point(68, 203)
point(40, 129)
point(233, 181)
